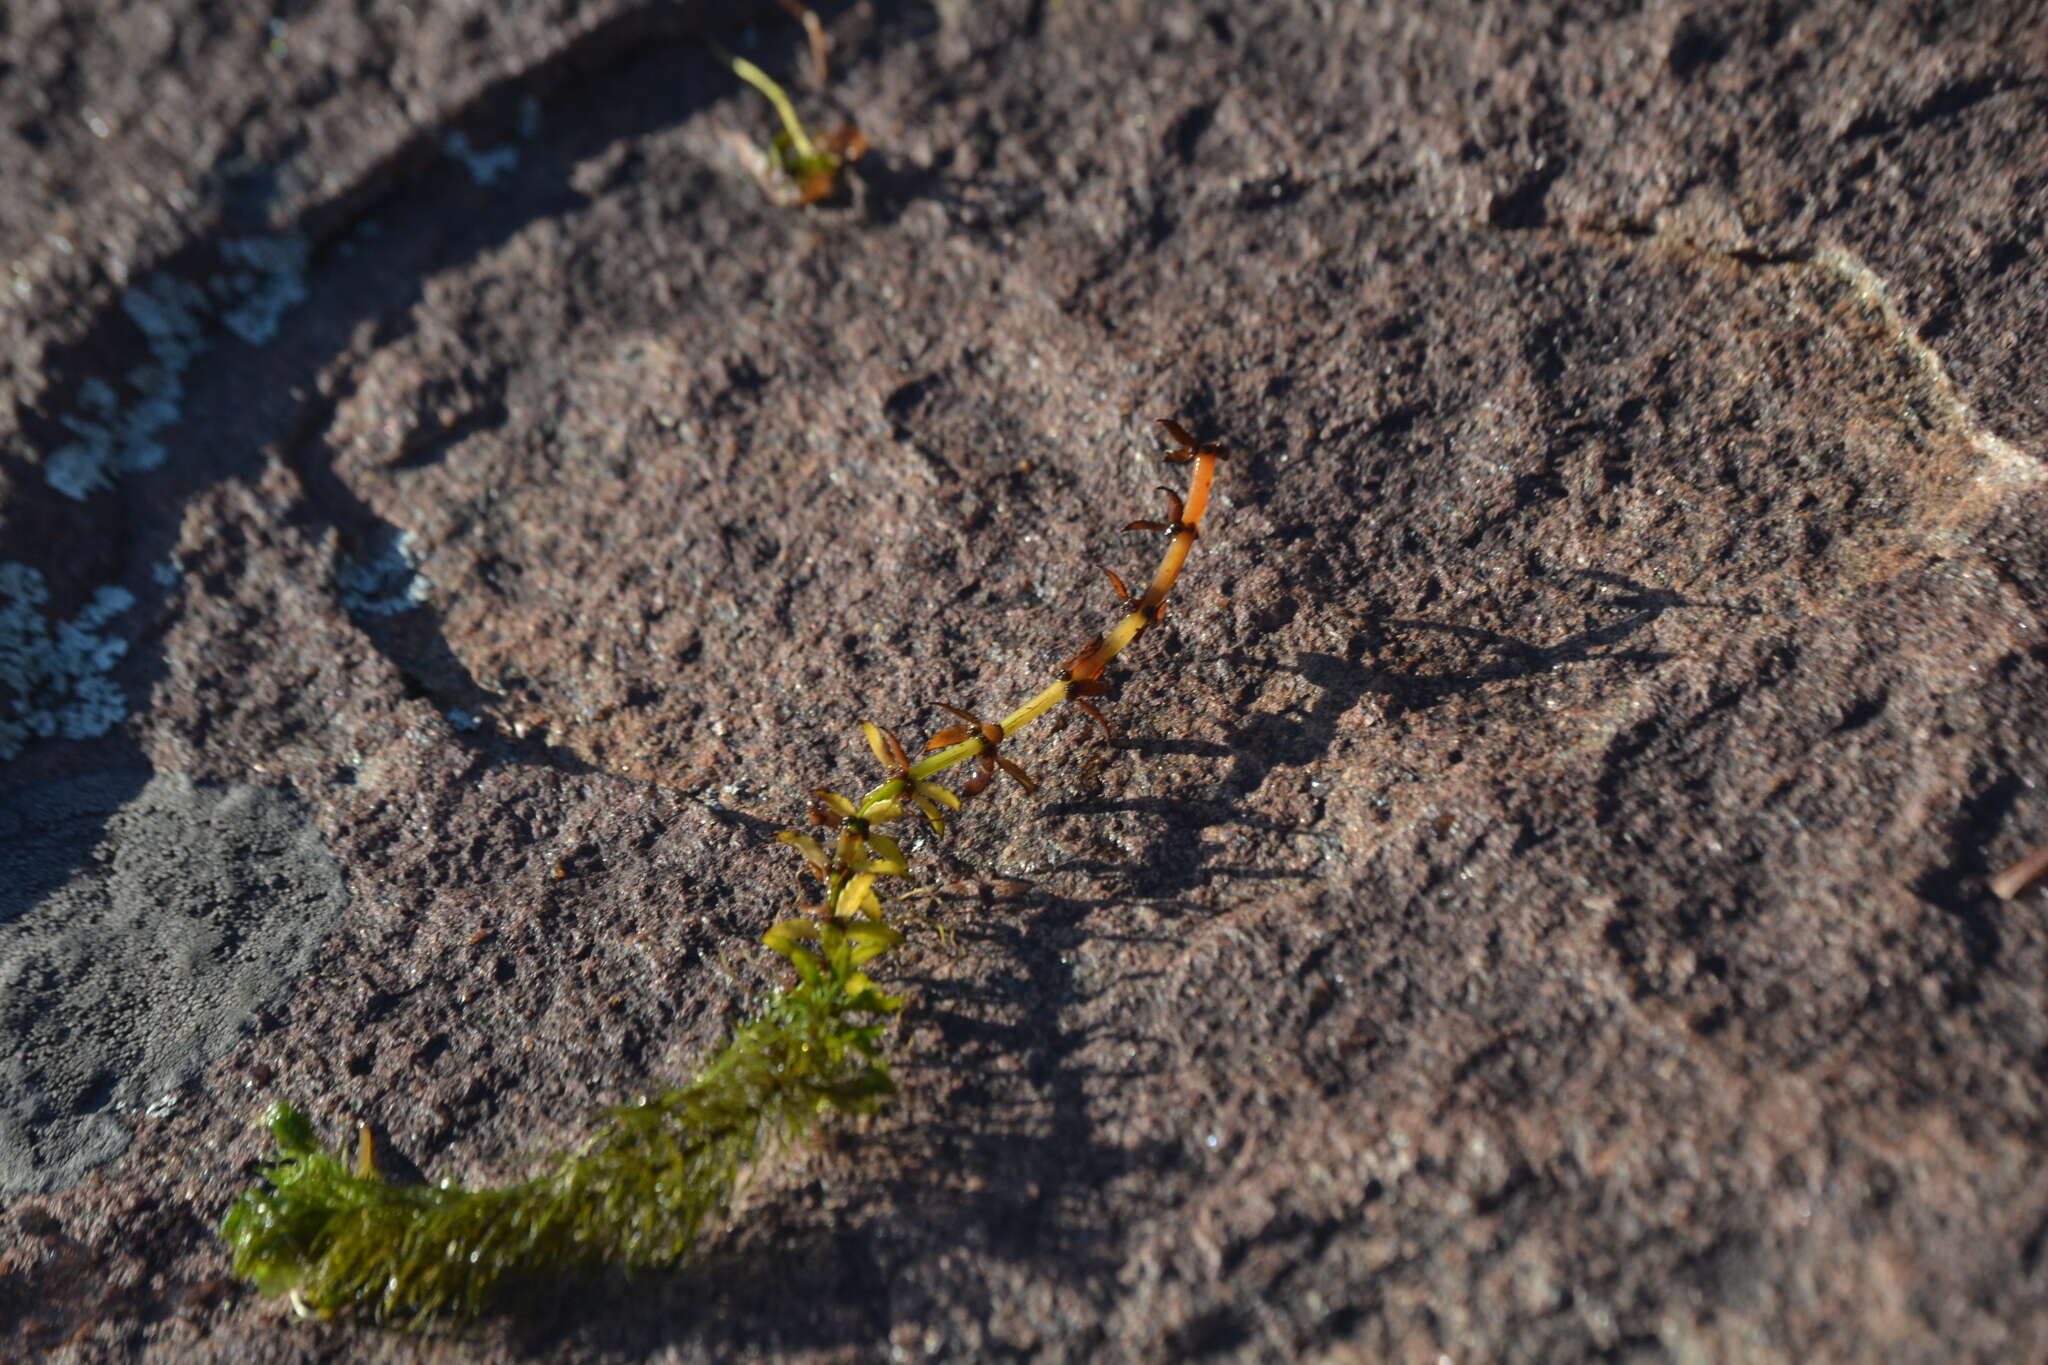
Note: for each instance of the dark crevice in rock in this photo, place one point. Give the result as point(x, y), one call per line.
point(1522, 207)
point(1948, 102)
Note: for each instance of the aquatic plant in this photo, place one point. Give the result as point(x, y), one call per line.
point(336, 1235)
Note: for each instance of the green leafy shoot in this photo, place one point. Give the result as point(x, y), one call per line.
point(796, 166)
point(334, 1236)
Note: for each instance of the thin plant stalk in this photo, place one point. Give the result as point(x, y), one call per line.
point(1143, 614)
point(334, 1235)
point(767, 85)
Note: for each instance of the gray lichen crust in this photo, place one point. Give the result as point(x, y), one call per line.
point(141, 923)
point(54, 683)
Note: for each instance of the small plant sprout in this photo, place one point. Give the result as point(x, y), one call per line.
point(795, 168)
point(333, 1235)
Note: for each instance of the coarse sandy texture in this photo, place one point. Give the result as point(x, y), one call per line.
point(1536, 907)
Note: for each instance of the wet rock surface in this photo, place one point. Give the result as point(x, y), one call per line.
point(1536, 906)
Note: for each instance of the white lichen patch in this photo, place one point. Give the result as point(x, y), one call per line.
point(55, 683)
point(117, 434)
point(386, 582)
point(484, 167)
point(270, 282)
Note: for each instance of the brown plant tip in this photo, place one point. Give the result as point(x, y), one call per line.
point(848, 143)
point(990, 731)
point(1076, 669)
point(2015, 879)
point(1083, 673)
point(1186, 447)
point(895, 759)
point(814, 31)
point(1176, 522)
point(1089, 709)
point(1153, 614)
point(988, 760)
point(1017, 774)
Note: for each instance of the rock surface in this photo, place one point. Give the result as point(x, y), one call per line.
point(130, 973)
point(1536, 907)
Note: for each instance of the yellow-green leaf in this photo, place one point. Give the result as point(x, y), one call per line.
point(939, 794)
point(878, 744)
point(889, 860)
point(838, 804)
point(787, 938)
point(855, 895)
point(871, 939)
point(790, 931)
point(806, 845)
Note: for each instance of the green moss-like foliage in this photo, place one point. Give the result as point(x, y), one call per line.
point(335, 1236)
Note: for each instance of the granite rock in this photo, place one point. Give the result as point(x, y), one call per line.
point(1536, 907)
